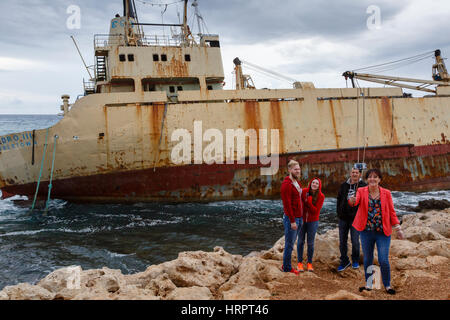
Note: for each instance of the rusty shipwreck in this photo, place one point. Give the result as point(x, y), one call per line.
point(115, 143)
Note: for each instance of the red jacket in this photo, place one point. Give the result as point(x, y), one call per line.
point(388, 215)
point(292, 205)
point(311, 211)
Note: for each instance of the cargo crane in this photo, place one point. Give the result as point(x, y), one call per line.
point(245, 81)
point(439, 73)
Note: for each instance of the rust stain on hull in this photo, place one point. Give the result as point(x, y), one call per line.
point(404, 167)
point(386, 116)
point(276, 121)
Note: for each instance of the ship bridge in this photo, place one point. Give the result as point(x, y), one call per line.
point(127, 60)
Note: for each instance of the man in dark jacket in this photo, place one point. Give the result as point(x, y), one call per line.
point(346, 214)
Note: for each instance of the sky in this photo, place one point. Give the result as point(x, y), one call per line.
point(314, 41)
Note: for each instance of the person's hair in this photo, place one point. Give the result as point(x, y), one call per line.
point(292, 164)
point(376, 171)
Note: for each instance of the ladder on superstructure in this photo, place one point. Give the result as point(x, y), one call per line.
point(100, 68)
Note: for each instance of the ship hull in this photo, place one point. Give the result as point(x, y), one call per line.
point(124, 147)
point(404, 167)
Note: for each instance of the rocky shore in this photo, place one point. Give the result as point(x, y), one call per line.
point(419, 270)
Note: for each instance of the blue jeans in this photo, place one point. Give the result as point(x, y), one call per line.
point(308, 229)
point(383, 242)
point(289, 239)
point(344, 228)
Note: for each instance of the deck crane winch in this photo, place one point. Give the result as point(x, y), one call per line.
point(245, 81)
point(439, 73)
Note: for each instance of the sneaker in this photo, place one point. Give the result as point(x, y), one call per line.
point(300, 267)
point(310, 267)
point(292, 270)
point(355, 265)
point(342, 267)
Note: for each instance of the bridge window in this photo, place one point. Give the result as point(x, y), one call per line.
point(187, 57)
point(155, 57)
point(163, 57)
point(131, 57)
point(122, 57)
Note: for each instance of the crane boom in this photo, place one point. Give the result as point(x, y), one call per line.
point(440, 77)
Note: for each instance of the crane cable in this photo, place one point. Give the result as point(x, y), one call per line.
point(359, 92)
point(397, 63)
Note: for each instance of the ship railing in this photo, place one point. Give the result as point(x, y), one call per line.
point(102, 41)
point(89, 87)
point(105, 40)
point(159, 40)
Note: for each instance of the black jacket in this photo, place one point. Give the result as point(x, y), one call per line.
point(343, 209)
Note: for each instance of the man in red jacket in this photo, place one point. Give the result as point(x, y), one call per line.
point(293, 211)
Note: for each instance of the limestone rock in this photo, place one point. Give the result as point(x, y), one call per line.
point(246, 293)
point(343, 295)
point(403, 248)
point(3, 295)
point(418, 234)
point(60, 279)
point(439, 221)
point(134, 293)
point(409, 263)
point(203, 269)
point(434, 260)
point(26, 291)
point(434, 248)
point(191, 293)
point(161, 286)
point(253, 272)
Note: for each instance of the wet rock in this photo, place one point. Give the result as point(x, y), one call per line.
point(432, 204)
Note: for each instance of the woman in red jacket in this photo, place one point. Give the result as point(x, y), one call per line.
point(374, 220)
point(312, 198)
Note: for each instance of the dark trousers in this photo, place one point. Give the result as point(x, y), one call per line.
point(344, 228)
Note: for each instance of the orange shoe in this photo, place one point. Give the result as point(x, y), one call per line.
point(310, 267)
point(300, 267)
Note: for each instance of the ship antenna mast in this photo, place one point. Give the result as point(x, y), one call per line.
point(185, 26)
point(199, 17)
